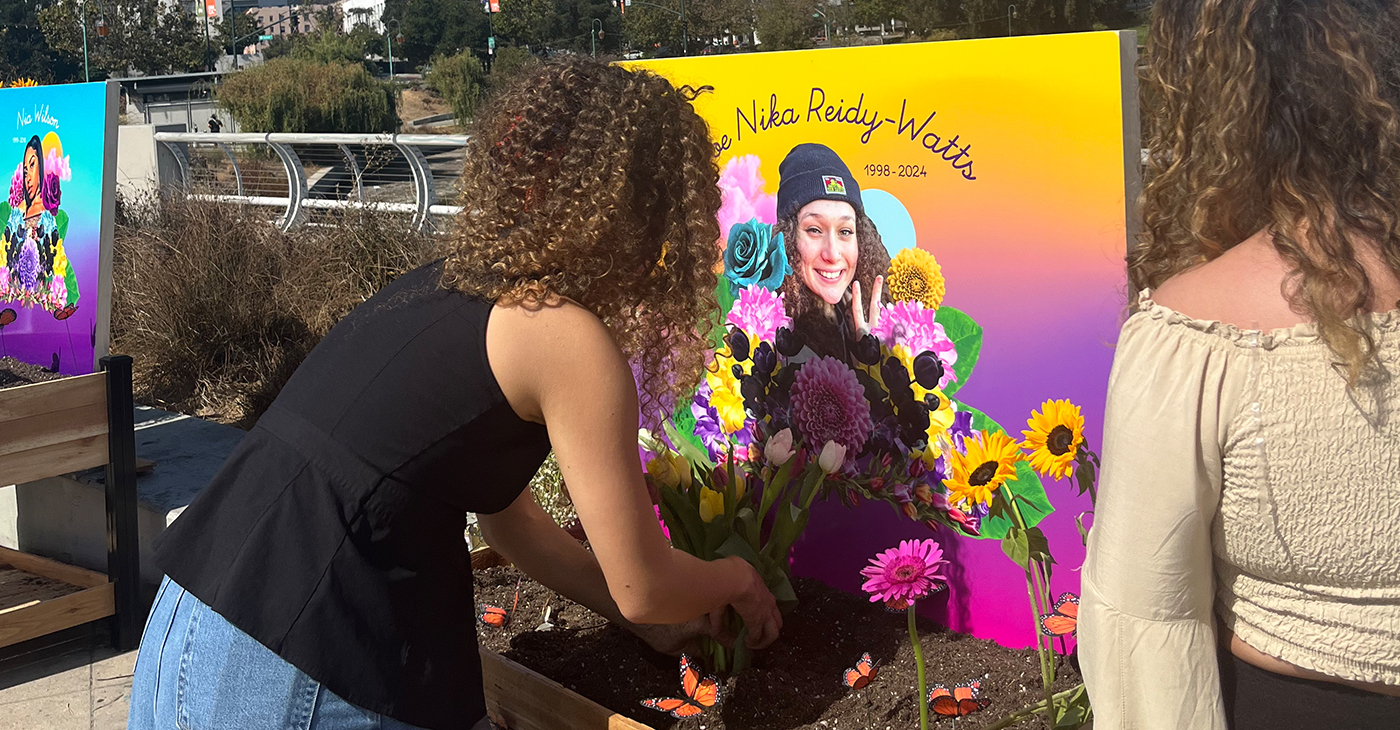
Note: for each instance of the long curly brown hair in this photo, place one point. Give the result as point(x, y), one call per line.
point(812, 316)
point(597, 183)
point(1276, 115)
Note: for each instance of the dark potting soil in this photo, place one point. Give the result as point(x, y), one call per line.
point(14, 373)
point(796, 683)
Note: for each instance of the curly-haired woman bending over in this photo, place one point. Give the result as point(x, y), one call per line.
point(322, 579)
point(1244, 565)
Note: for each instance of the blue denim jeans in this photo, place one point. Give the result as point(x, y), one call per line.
point(196, 671)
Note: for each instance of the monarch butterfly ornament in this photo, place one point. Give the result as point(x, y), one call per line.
point(497, 618)
point(1064, 621)
point(964, 699)
point(699, 694)
point(862, 674)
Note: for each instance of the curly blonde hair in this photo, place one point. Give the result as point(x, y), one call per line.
point(597, 183)
point(1276, 115)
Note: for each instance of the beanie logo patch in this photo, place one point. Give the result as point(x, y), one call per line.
point(834, 185)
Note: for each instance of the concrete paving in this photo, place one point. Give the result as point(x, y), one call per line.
point(82, 684)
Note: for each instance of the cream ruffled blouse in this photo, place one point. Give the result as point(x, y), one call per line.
point(1241, 480)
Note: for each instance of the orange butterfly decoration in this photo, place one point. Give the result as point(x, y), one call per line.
point(864, 673)
point(497, 617)
point(701, 693)
point(964, 699)
point(1065, 619)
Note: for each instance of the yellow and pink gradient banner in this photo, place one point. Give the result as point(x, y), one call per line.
point(1008, 160)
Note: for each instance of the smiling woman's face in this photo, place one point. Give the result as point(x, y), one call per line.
point(827, 248)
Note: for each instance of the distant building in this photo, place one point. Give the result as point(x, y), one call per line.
point(279, 20)
point(363, 12)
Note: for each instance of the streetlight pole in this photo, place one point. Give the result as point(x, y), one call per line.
point(86, 75)
point(390, 38)
point(596, 31)
point(1010, 13)
point(826, 28)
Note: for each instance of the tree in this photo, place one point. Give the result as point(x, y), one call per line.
point(650, 29)
point(784, 25)
point(24, 52)
point(245, 29)
point(292, 94)
point(461, 80)
point(434, 27)
point(534, 24)
point(144, 36)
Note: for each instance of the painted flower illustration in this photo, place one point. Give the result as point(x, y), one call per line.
point(915, 276)
point(17, 188)
point(1054, 439)
point(912, 325)
point(741, 188)
point(905, 574)
point(987, 462)
point(828, 404)
point(754, 256)
point(759, 312)
point(27, 266)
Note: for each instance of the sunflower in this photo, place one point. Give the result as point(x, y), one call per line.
point(1056, 434)
point(916, 276)
point(989, 461)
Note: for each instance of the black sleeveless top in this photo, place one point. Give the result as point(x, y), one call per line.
point(334, 532)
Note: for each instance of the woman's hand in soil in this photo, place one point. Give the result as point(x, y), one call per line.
point(755, 604)
point(672, 639)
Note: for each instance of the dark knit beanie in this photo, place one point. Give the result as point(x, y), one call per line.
point(814, 172)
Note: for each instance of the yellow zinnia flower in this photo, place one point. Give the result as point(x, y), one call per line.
point(989, 462)
point(916, 276)
point(711, 504)
point(1055, 436)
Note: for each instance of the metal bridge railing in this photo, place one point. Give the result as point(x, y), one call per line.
point(305, 172)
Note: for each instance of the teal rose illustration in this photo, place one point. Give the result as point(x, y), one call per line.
point(754, 256)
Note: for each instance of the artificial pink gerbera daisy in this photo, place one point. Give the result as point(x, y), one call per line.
point(906, 573)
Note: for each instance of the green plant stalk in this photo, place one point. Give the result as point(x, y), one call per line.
point(1037, 708)
point(919, 661)
point(1046, 664)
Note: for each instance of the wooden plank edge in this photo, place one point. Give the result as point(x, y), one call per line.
point(48, 568)
point(57, 614)
point(528, 700)
point(487, 557)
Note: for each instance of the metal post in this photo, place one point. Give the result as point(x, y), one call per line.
point(1010, 13)
point(123, 545)
point(208, 62)
point(389, 36)
point(595, 30)
point(685, 32)
point(86, 75)
point(233, 34)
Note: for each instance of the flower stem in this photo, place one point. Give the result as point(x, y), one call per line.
point(1037, 708)
point(1046, 663)
point(919, 661)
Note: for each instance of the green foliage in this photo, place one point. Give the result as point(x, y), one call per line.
point(460, 79)
point(785, 25)
point(24, 53)
point(431, 28)
point(510, 62)
point(299, 95)
point(144, 36)
point(966, 335)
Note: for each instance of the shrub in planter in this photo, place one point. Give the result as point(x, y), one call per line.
point(292, 94)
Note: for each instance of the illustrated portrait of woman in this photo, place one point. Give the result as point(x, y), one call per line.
point(837, 257)
point(34, 269)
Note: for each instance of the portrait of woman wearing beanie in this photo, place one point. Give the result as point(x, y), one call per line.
point(838, 260)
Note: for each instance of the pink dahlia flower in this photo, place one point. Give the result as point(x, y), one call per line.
point(906, 573)
point(828, 404)
point(741, 186)
point(17, 188)
point(912, 324)
point(759, 312)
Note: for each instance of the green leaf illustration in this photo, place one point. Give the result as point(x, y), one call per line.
point(967, 338)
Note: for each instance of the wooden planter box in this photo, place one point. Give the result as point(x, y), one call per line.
point(528, 700)
point(39, 596)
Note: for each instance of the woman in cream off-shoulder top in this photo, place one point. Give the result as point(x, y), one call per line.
point(1244, 562)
